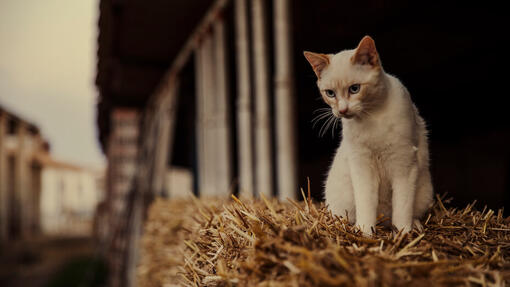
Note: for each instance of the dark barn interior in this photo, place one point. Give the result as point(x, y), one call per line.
point(447, 54)
point(442, 54)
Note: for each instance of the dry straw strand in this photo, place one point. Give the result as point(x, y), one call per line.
point(264, 242)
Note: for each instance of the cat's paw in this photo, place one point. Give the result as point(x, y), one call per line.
point(404, 228)
point(366, 230)
point(417, 224)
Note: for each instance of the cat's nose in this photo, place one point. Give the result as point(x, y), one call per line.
point(343, 111)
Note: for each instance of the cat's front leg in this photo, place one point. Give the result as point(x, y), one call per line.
point(365, 183)
point(404, 190)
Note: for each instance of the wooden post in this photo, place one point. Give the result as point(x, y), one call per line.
point(263, 164)
point(205, 118)
point(244, 115)
point(223, 120)
point(140, 197)
point(284, 103)
point(161, 151)
point(210, 114)
point(134, 233)
point(200, 121)
point(166, 120)
point(4, 221)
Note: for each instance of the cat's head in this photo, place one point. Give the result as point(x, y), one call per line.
point(350, 81)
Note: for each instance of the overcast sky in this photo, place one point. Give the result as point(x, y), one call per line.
point(47, 70)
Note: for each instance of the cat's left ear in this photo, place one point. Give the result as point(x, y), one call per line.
point(318, 61)
point(366, 54)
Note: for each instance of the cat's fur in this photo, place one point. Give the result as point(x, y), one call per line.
point(382, 164)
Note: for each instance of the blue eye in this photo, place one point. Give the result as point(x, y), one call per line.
point(330, 93)
point(354, 89)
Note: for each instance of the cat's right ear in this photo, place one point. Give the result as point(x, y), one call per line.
point(318, 61)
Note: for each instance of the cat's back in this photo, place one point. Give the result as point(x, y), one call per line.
point(411, 127)
point(401, 108)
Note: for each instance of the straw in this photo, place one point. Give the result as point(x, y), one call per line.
point(207, 242)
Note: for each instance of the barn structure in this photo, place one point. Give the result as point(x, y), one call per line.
point(219, 93)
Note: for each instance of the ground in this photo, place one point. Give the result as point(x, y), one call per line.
point(49, 261)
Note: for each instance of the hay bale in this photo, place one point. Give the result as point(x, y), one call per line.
point(264, 242)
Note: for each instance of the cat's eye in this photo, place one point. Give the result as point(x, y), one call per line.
point(354, 89)
point(330, 93)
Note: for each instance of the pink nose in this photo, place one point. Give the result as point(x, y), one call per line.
point(343, 111)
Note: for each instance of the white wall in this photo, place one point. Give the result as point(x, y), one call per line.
point(68, 200)
point(178, 182)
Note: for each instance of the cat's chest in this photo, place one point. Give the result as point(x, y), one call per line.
point(379, 136)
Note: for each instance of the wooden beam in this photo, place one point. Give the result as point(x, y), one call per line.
point(194, 40)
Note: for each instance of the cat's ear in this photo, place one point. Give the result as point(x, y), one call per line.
point(318, 61)
point(366, 54)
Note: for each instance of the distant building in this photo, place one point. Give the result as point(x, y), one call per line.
point(37, 193)
point(21, 148)
point(69, 197)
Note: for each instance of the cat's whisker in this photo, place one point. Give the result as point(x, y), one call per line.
point(327, 125)
point(331, 126)
point(324, 124)
point(318, 118)
point(322, 127)
point(324, 113)
point(320, 110)
point(315, 123)
point(333, 118)
point(334, 126)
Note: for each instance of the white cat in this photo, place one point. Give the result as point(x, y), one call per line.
point(382, 164)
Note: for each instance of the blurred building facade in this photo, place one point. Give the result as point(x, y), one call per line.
point(21, 151)
point(224, 96)
point(39, 195)
point(69, 197)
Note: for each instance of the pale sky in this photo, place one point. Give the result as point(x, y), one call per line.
point(47, 70)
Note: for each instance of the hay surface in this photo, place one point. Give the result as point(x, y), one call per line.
point(268, 243)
